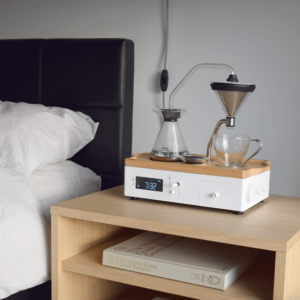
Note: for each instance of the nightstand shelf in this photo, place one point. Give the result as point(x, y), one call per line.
point(82, 228)
point(256, 284)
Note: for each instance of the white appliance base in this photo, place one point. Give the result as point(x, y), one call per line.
point(233, 194)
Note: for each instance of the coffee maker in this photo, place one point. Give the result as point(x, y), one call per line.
point(169, 173)
point(170, 144)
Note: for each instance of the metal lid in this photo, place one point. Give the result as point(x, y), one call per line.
point(170, 115)
point(193, 159)
point(232, 86)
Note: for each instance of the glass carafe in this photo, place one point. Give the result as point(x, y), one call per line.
point(169, 145)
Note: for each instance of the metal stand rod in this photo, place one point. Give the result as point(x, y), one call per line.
point(259, 148)
point(216, 130)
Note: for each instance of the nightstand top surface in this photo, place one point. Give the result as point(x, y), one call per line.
point(272, 225)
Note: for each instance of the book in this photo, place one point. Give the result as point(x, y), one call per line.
point(139, 298)
point(131, 298)
point(200, 262)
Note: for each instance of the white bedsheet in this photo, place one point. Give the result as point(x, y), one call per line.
point(24, 236)
point(24, 228)
point(62, 181)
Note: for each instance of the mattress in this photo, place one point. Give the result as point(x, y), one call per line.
point(25, 220)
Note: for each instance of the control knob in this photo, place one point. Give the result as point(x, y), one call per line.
point(255, 190)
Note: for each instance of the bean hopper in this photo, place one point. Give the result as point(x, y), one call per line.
point(170, 174)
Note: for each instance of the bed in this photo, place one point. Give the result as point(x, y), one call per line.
point(94, 76)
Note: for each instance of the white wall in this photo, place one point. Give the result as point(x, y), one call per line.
point(259, 38)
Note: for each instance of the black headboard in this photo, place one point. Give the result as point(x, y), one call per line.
point(94, 76)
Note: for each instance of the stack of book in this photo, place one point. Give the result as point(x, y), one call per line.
point(194, 261)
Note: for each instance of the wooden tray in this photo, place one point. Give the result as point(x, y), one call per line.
point(253, 167)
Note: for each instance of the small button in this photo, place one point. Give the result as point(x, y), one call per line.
point(215, 195)
point(176, 184)
point(172, 192)
point(262, 188)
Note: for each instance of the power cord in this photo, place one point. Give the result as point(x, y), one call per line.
point(164, 78)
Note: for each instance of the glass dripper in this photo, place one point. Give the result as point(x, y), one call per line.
point(169, 144)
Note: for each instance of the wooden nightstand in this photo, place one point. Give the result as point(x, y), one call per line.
point(83, 227)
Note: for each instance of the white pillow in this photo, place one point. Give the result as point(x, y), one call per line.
point(33, 136)
point(61, 182)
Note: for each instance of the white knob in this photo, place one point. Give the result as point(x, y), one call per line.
point(215, 195)
point(172, 192)
point(252, 192)
point(175, 184)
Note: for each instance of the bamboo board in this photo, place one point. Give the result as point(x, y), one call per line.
point(253, 167)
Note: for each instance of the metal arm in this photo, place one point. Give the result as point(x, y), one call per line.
point(191, 72)
point(260, 145)
point(216, 130)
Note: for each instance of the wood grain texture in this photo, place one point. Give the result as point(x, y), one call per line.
point(136, 293)
point(287, 274)
point(256, 284)
point(253, 167)
point(272, 225)
point(69, 237)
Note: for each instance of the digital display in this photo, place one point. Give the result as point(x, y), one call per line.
point(150, 184)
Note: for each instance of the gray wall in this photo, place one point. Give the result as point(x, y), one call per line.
point(259, 38)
